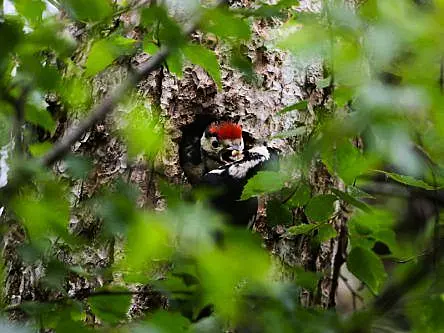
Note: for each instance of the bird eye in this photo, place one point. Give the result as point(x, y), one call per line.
point(215, 144)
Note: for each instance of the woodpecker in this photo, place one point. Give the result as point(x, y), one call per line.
point(219, 160)
point(221, 143)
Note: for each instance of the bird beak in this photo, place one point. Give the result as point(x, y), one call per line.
point(236, 150)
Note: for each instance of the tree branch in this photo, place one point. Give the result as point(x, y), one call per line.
point(62, 147)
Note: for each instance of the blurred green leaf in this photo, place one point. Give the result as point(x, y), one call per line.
point(372, 221)
point(408, 180)
point(112, 306)
point(44, 216)
point(143, 130)
point(175, 63)
point(40, 117)
point(206, 59)
point(224, 24)
point(277, 213)
point(105, 51)
point(266, 10)
point(11, 35)
point(349, 199)
point(39, 149)
point(149, 239)
point(320, 207)
point(302, 229)
point(299, 131)
point(345, 160)
point(263, 182)
point(301, 105)
point(149, 46)
point(116, 207)
point(425, 315)
point(240, 60)
point(76, 92)
point(301, 196)
point(31, 9)
point(5, 128)
point(88, 10)
point(78, 166)
point(326, 232)
point(241, 261)
point(306, 279)
point(165, 30)
point(166, 322)
point(372, 273)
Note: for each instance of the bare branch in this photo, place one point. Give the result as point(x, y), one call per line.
point(62, 147)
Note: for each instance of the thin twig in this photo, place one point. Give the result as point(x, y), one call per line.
point(355, 295)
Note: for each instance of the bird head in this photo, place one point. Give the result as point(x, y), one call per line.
point(223, 142)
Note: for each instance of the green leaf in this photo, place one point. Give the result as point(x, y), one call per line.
point(274, 10)
point(39, 149)
point(301, 105)
point(31, 9)
point(345, 160)
point(301, 130)
point(175, 63)
point(5, 127)
point(76, 92)
point(10, 34)
point(306, 279)
point(78, 166)
point(263, 182)
point(358, 193)
point(375, 220)
point(323, 83)
point(326, 232)
point(149, 46)
point(225, 24)
point(44, 215)
point(352, 201)
point(367, 267)
point(277, 213)
point(408, 180)
point(206, 59)
point(165, 29)
point(143, 131)
point(240, 60)
point(110, 308)
point(40, 117)
point(302, 229)
point(301, 196)
point(166, 322)
point(320, 207)
point(149, 239)
point(88, 10)
point(104, 51)
point(240, 259)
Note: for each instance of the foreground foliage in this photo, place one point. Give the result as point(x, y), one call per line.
point(381, 119)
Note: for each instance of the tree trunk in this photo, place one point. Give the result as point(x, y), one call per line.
point(281, 80)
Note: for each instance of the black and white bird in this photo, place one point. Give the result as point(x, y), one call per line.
point(220, 161)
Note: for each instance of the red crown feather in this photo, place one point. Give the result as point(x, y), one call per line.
point(226, 130)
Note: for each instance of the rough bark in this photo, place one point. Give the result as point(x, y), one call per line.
point(283, 80)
